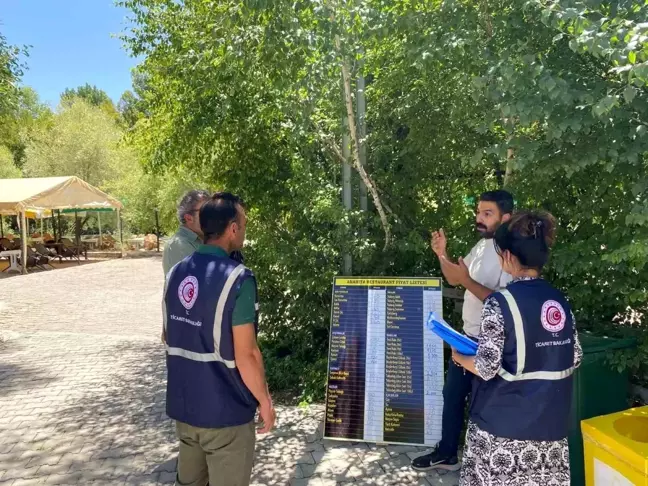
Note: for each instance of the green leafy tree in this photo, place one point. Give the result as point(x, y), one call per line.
point(462, 97)
point(8, 169)
point(11, 70)
point(16, 103)
point(132, 105)
point(91, 95)
point(26, 118)
point(257, 107)
point(142, 193)
point(82, 140)
point(127, 108)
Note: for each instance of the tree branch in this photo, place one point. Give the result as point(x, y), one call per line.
point(335, 150)
point(368, 181)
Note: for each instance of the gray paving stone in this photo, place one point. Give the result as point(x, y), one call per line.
point(29, 482)
point(449, 479)
point(20, 473)
point(396, 450)
point(167, 478)
point(313, 482)
point(415, 454)
point(75, 478)
point(144, 480)
point(395, 463)
point(83, 393)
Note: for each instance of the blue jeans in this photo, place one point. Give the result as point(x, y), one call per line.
point(457, 387)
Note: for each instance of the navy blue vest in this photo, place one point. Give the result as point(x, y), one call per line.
point(530, 398)
point(204, 387)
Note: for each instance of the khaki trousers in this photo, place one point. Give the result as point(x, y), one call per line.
point(220, 457)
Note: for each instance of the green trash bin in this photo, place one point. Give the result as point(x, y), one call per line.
point(598, 390)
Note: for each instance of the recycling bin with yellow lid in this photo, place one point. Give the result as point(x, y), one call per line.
point(616, 448)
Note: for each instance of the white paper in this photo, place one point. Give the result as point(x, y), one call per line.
point(604, 475)
point(432, 369)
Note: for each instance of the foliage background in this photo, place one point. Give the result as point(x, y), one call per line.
point(547, 98)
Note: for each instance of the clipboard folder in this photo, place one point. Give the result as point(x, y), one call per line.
point(463, 344)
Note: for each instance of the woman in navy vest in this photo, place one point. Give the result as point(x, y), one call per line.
point(528, 350)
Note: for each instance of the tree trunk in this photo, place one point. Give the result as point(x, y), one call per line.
point(347, 196)
point(508, 175)
point(361, 108)
point(346, 77)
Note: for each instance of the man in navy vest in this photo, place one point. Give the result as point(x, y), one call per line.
point(216, 378)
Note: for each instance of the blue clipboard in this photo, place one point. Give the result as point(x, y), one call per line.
point(463, 344)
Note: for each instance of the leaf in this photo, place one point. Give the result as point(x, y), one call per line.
point(557, 38)
point(641, 71)
point(632, 57)
point(479, 81)
point(477, 157)
point(605, 105)
point(629, 94)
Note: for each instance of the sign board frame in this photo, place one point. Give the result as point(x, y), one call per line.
point(395, 340)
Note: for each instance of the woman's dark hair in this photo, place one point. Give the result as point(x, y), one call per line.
point(528, 235)
point(218, 213)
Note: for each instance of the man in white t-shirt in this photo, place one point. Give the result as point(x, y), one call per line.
point(480, 273)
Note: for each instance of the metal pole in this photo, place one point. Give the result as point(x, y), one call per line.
point(60, 232)
point(1, 227)
point(99, 224)
point(77, 235)
point(157, 228)
point(23, 235)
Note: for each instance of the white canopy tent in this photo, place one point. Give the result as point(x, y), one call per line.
point(18, 196)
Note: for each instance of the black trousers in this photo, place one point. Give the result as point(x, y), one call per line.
point(456, 389)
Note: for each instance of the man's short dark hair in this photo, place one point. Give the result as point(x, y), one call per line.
point(503, 199)
point(218, 213)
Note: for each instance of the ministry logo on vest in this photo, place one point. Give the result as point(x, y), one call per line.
point(188, 292)
point(553, 316)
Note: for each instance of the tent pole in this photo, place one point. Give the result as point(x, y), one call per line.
point(60, 232)
point(23, 234)
point(1, 227)
point(99, 223)
point(119, 234)
point(77, 235)
point(41, 232)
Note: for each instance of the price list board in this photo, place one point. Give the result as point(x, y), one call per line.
point(385, 372)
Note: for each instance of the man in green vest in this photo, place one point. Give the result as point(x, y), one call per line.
point(189, 236)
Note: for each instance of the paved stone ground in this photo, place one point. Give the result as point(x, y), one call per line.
point(82, 393)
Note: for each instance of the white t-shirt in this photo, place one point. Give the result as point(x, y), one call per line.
point(485, 268)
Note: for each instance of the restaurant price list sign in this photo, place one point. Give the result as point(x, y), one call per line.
point(385, 371)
